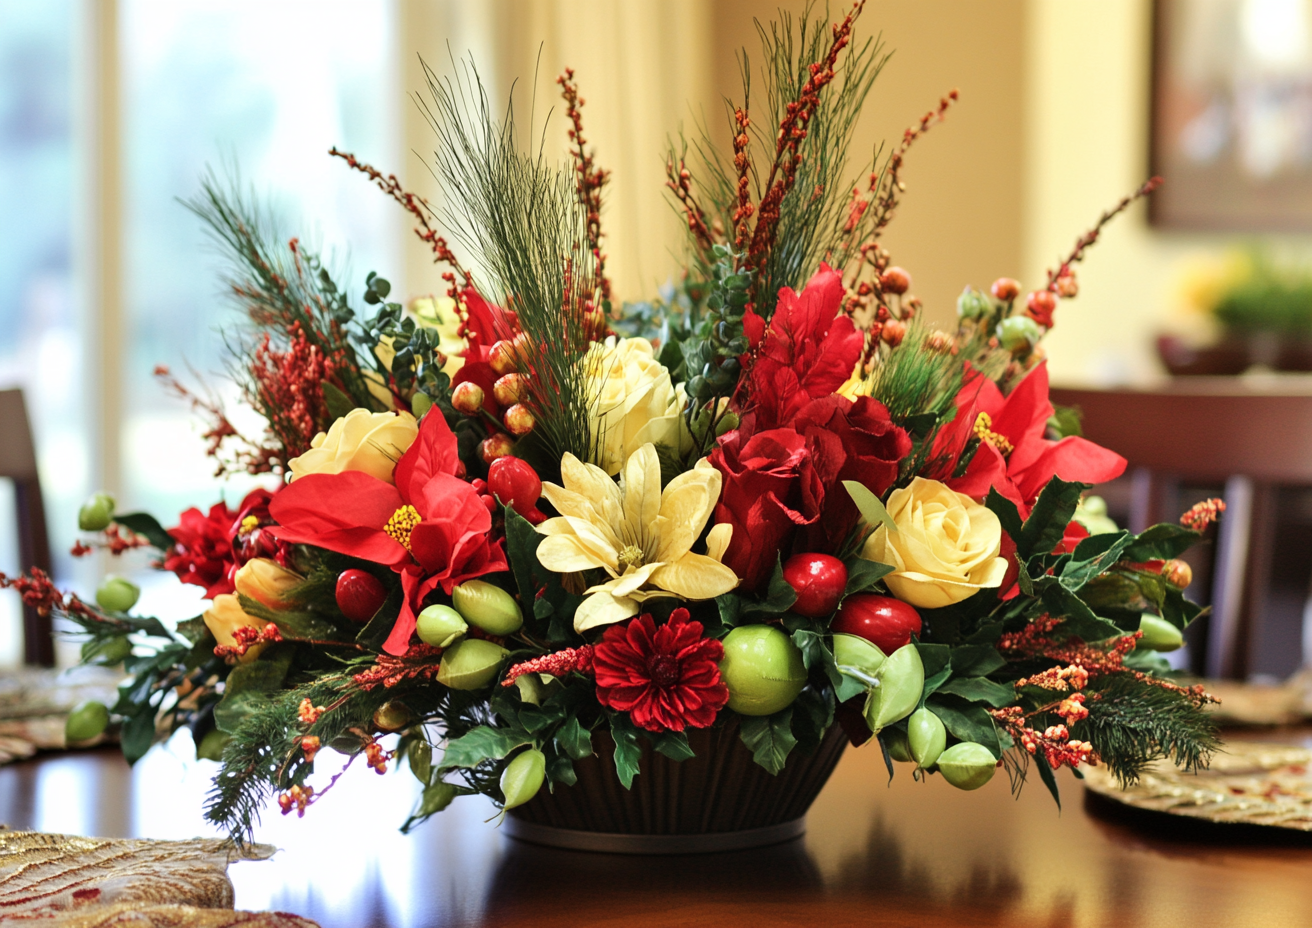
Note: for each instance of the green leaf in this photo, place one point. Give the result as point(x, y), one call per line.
point(979, 689)
point(522, 542)
point(934, 657)
point(869, 505)
point(1049, 780)
point(673, 744)
point(627, 751)
point(137, 734)
point(1163, 541)
point(1093, 556)
point(1049, 517)
point(338, 403)
point(574, 739)
point(1078, 618)
point(976, 660)
point(1179, 611)
point(143, 523)
point(1065, 421)
point(1006, 512)
point(816, 654)
point(862, 575)
point(769, 738)
point(933, 683)
point(249, 685)
point(291, 624)
point(966, 720)
point(813, 713)
point(379, 627)
point(480, 744)
point(779, 595)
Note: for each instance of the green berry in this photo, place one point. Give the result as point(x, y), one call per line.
point(96, 513)
point(1159, 634)
point(470, 664)
point(972, 304)
point(762, 668)
point(522, 778)
point(1018, 333)
point(440, 626)
point(87, 720)
point(900, 681)
point(117, 594)
point(967, 765)
point(487, 606)
point(926, 736)
point(896, 743)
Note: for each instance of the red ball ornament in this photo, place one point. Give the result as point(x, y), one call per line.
point(819, 580)
point(359, 595)
point(882, 620)
point(512, 480)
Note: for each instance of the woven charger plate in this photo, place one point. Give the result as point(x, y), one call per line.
point(1250, 784)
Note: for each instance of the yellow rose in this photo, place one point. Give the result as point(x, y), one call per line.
point(945, 548)
point(634, 402)
point(224, 616)
point(370, 442)
point(266, 582)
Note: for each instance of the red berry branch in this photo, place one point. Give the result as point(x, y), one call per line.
point(1065, 270)
point(589, 178)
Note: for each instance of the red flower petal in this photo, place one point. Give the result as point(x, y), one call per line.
point(343, 512)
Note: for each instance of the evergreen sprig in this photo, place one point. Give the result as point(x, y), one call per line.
point(710, 356)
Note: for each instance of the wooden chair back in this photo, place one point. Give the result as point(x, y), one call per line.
point(18, 463)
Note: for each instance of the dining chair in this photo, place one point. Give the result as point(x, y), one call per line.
point(18, 464)
point(1252, 435)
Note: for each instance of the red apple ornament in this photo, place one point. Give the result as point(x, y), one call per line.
point(359, 595)
point(819, 580)
point(513, 481)
point(882, 620)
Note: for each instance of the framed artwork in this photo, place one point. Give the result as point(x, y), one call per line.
point(1232, 115)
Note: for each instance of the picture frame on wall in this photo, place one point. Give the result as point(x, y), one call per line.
point(1231, 115)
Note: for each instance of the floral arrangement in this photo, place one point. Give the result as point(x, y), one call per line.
point(523, 522)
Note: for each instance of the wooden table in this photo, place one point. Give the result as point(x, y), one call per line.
point(919, 854)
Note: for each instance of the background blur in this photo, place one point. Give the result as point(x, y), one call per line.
point(110, 110)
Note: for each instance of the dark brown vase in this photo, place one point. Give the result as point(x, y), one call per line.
point(720, 800)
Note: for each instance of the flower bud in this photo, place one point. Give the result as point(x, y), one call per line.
point(519, 421)
point(467, 398)
point(522, 778)
point(87, 720)
point(267, 582)
point(96, 513)
point(440, 626)
point(762, 668)
point(117, 594)
point(895, 280)
point(899, 682)
point(392, 715)
point(1040, 305)
point(1018, 333)
point(728, 422)
point(495, 446)
point(1067, 286)
point(1005, 289)
point(926, 737)
point(485, 605)
point(895, 742)
point(967, 765)
point(818, 580)
point(502, 357)
point(857, 653)
point(510, 389)
point(972, 304)
point(1177, 573)
point(893, 332)
point(515, 483)
point(359, 595)
point(1159, 634)
point(470, 663)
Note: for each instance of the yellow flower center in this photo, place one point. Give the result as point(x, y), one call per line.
point(630, 556)
point(401, 524)
point(984, 431)
point(248, 525)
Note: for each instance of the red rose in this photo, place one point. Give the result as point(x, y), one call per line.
point(666, 678)
point(849, 441)
point(769, 488)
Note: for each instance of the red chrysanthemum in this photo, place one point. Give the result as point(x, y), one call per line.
point(666, 678)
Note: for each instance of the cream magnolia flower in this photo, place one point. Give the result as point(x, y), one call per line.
point(370, 442)
point(640, 536)
point(224, 616)
point(636, 402)
point(266, 582)
point(945, 548)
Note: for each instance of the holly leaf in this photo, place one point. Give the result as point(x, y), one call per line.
point(137, 734)
point(1163, 542)
point(770, 738)
point(1049, 780)
point(965, 720)
point(976, 660)
point(574, 739)
point(1048, 519)
point(143, 523)
point(627, 751)
point(480, 744)
point(862, 575)
point(816, 654)
point(813, 713)
point(779, 595)
point(979, 689)
point(1006, 512)
point(673, 744)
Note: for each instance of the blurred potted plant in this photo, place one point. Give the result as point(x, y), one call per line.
point(1261, 307)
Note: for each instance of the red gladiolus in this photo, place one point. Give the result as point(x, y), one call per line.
point(431, 527)
point(666, 678)
point(808, 352)
point(1013, 455)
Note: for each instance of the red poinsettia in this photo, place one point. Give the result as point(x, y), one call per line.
point(809, 349)
point(667, 678)
point(1013, 455)
point(431, 527)
point(208, 548)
